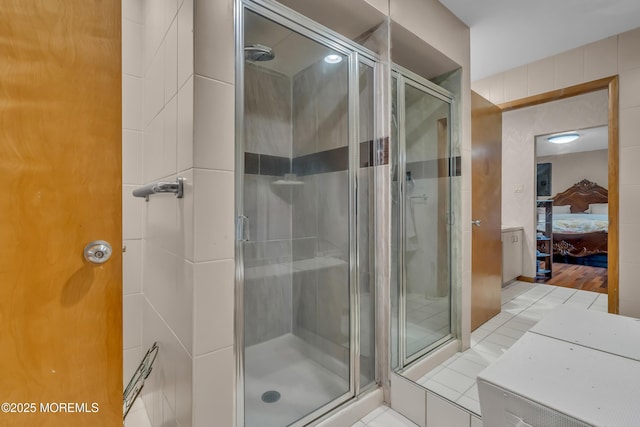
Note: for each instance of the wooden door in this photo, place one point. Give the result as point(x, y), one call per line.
point(60, 168)
point(486, 190)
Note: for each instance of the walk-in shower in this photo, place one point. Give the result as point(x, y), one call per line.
point(421, 217)
point(305, 229)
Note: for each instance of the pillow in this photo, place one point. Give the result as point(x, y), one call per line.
point(564, 209)
point(599, 208)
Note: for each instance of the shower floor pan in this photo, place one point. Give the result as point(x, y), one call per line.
point(281, 365)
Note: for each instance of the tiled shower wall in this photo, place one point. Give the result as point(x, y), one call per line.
point(179, 270)
point(321, 210)
point(615, 55)
point(267, 256)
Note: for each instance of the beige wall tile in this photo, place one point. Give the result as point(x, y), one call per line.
point(496, 93)
point(213, 215)
point(170, 131)
point(160, 269)
point(601, 59)
point(132, 48)
point(153, 150)
point(629, 170)
point(132, 157)
point(540, 76)
point(133, 10)
point(214, 44)
point(184, 155)
point(629, 292)
point(442, 413)
point(132, 208)
point(515, 83)
point(214, 305)
point(132, 321)
point(629, 238)
point(445, 31)
point(482, 87)
point(214, 385)
point(153, 95)
point(629, 204)
point(185, 42)
point(131, 103)
point(186, 218)
point(628, 51)
point(214, 124)
point(171, 61)
point(569, 68)
point(181, 317)
point(409, 399)
point(630, 88)
point(132, 267)
point(629, 127)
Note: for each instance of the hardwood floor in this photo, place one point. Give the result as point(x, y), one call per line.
point(579, 277)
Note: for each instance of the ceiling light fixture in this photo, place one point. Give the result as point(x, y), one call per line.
point(563, 138)
point(332, 59)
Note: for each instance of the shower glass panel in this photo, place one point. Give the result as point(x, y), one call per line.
point(306, 265)
point(421, 222)
point(366, 226)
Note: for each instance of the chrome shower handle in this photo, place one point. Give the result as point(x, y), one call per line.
point(242, 228)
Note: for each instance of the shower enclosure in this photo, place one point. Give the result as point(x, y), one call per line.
point(304, 252)
point(421, 217)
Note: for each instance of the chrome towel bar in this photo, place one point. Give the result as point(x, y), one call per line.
point(161, 187)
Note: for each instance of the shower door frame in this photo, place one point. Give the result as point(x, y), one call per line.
point(356, 54)
point(406, 77)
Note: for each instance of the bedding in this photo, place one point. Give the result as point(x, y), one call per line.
point(580, 234)
point(580, 223)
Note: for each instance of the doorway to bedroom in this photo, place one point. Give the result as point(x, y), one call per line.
point(581, 108)
point(572, 178)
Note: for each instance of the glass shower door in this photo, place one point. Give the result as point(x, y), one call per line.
point(423, 117)
point(299, 161)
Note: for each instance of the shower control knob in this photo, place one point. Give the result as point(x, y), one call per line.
point(97, 252)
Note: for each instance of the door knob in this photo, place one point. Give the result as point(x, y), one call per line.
point(97, 252)
point(476, 222)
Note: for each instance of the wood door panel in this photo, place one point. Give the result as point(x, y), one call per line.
point(486, 170)
point(60, 163)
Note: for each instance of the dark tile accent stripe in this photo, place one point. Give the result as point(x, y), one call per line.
point(252, 163)
point(323, 162)
point(274, 165)
point(263, 164)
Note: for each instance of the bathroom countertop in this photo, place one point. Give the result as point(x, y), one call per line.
point(506, 228)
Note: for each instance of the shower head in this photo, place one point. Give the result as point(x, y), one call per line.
point(258, 52)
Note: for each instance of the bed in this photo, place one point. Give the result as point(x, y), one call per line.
point(581, 220)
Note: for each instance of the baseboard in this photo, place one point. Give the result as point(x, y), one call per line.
point(526, 279)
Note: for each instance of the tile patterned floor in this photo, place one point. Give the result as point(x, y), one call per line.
point(523, 305)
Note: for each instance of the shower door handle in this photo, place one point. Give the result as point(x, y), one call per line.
point(242, 228)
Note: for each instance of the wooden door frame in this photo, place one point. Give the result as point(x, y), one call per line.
point(611, 84)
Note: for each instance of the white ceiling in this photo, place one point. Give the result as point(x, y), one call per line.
point(508, 33)
point(590, 140)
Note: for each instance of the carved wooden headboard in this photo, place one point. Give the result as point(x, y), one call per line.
point(580, 195)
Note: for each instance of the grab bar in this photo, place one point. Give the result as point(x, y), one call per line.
point(161, 187)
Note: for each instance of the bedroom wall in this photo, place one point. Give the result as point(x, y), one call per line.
point(519, 129)
point(569, 169)
point(617, 55)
